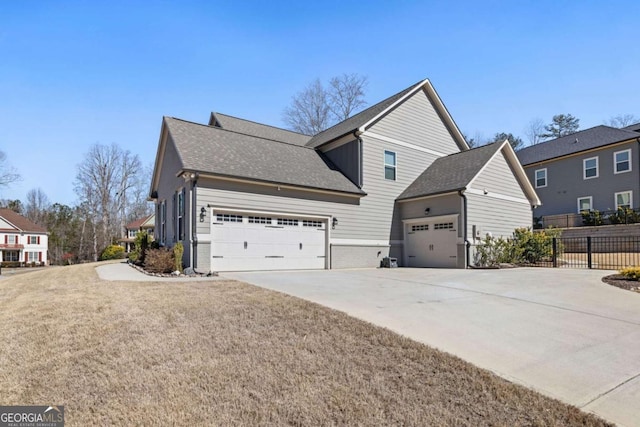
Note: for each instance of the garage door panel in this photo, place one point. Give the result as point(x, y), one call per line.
point(273, 244)
point(432, 244)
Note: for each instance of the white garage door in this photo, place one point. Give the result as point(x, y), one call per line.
point(241, 242)
point(432, 244)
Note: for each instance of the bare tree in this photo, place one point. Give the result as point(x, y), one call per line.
point(622, 120)
point(103, 183)
point(534, 131)
point(7, 173)
point(346, 95)
point(37, 206)
point(317, 108)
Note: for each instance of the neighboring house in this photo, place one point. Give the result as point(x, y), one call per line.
point(396, 179)
point(594, 169)
point(21, 240)
point(146, 223)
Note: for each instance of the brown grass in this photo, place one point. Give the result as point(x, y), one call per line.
point(227, 353)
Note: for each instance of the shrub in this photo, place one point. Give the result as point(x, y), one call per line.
point(140, 246)
point(159, 261)
point(178, 251)
point(631, 273)
point(112, 252)
point(524, 247)
point(624, 216)
point(592, 218)
point(10, 264)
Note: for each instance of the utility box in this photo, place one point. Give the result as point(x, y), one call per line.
point(389, 262)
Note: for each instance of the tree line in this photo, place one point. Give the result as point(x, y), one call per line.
point(111, 186)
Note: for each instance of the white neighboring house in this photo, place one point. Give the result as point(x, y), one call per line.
point(21, 240)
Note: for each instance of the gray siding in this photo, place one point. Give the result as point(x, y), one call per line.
point(498, 177)
point(416, 121)
point(496, 216)
point(167, 187)
point(565, 181)
point(347, 158)
point(442, 205)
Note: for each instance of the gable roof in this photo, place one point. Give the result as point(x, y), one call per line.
point(19, 222)
point(455, 172)
point(598, 136)
point(215, 151)
point(365, 118)
point(451, 173)
point(138, 223)
point(260, 130)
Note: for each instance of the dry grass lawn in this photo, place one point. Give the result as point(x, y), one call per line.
point(227, 353)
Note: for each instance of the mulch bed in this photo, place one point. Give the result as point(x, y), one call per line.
point(618, 280)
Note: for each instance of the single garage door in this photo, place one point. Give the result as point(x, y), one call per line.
point(432, 244)
point(241, 242)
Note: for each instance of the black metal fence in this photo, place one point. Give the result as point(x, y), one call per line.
point(593, 218)
point(605, 253)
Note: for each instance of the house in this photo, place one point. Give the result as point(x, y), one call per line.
point(146, 223)
point(397, 179)
point(21, 241)
point(594, 169)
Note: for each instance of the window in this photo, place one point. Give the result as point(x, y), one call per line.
point(443, 226)
point(287, 221)
point(33, 240)
point(180, 221)
point(622, 161)
point(541, 178)
point(585, 204)
point(259, 220)
point(311, 223)
point(590, 167)
point(12, 256)
point(389, 165)
point(132, 233)
point(421, 227)
point(623, 200)
point(33, 257)
point(11, 239)
point(162, 213)
point(228, 218)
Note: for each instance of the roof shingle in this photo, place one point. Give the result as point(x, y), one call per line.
point(221, 152)
point(587, 139)
point(22, 223)
point(450, 173)
point(260, 130)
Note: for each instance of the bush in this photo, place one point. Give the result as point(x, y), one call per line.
point(624, 216)
point(525, 247)
point(178, 251)
point(112, 252)
point(159, 261)
point(631, 273)
point(10, 264)
point(592, 218)
point(140, 246)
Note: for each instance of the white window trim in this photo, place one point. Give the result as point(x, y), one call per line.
point(590, 202)
point(535, 178)
point(584, 168)
point(395, 166)
point(615, 198)
point(615, 163)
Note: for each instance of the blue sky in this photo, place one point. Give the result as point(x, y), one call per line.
point(76, 73)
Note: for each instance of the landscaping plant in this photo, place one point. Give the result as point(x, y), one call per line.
point(631, 273)
point(112, 252)
point(159, 261)
point(178, 250)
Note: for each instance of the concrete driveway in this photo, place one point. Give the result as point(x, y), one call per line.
point(561, 332)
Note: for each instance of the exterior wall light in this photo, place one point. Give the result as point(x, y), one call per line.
point(203, 213)
point(334, 223)
point(427, 210)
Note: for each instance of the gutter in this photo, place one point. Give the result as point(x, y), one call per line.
point(467, 245)
point(194, 236)
point(356, 134)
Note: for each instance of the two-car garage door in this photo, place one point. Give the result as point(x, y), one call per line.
point(244, 242)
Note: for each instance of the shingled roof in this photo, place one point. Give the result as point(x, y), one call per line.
point(135, 225)
point(450, 173)
point(587, 139)
point(351, 124)
point(260, 130)
point(216, 151)
point(19, 222)
point(634, 128)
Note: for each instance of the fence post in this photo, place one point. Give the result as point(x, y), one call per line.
point(589, 251)
point(555, 252)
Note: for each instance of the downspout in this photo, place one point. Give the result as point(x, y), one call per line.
point(467, 245)
point(194, 234)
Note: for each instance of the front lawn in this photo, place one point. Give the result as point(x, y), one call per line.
point(227, 353)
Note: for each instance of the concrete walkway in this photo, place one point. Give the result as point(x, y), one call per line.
point(561, 332)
